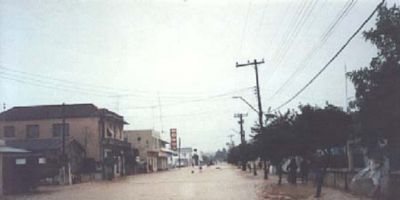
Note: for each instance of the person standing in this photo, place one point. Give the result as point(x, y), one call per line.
point(292, 170)
point(195, 159)
point(304, 170)
point(320, 170)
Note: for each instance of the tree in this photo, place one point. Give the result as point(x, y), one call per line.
point(321, 128)
point(378, 85)
point(276, 140)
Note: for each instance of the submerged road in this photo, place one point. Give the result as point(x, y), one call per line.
point(215, 182)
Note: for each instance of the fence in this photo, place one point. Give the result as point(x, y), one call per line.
point(341, 179)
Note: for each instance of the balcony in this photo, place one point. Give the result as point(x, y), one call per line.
point(115, 142)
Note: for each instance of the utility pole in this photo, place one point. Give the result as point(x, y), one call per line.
point(179, 152)
point(260, 112)
point(242, 138)
point(231, 140)
point(63, 128)
point(161, 116)
point(349, 143)
point(256, 63)
point(63, 156)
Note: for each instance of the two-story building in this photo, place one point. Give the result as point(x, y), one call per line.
point(152, 149)
point(98, 130)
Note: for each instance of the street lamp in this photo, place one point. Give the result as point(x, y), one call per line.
point(245, 101)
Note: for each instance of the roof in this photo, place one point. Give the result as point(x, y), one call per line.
point(56, 112)
point(164, 141)
point(5, 149)
point(36, 144)
point(151, 132)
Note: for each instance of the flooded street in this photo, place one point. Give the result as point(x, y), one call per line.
point(212, 183)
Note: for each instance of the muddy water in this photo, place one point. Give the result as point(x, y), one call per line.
point(178, 184)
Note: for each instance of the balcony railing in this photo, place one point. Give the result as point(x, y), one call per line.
point(112, 141)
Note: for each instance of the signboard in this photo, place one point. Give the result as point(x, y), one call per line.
point(174, 146)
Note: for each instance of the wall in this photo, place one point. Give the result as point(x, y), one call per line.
point(147, 141)
point(1, 174)
point(85, 130)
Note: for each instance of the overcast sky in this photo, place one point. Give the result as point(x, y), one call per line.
point(171, 63)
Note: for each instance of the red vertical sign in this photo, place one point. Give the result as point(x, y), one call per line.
point(173, 139)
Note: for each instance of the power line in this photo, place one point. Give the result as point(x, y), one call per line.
point(332, 59)
point(297, 29)
point(208, 98)
point(325, 36)
point(287, 35)
point(84, 87)
point(38, 84)
point(244, 28)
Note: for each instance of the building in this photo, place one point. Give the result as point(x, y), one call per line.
point(184, 157)
point(17, 168)
point(51, 151)
point(98, 130)
point(153, 153)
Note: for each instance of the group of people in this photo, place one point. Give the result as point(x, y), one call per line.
point(292, 170)
point(319, 168)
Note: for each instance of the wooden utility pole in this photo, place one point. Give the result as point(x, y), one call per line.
point(179, 152)
point(349, 143)
point(242, 138)
point(63, 155)
point(260, 112)
point(63, 128)
point(231, 140)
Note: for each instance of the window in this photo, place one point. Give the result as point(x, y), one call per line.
point(9, 131)
point(42, 160)
point(115, 131)
point(20, 161)
point(139, 138)
point(58, 130)
point(109, 133)
point(32, 131)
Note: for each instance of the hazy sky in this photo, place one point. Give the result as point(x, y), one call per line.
point(133, 56)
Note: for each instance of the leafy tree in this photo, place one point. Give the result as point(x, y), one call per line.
point(378, 85)
point(321, 128)
point(277, 139)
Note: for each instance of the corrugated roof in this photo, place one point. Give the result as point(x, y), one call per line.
point(5, 149)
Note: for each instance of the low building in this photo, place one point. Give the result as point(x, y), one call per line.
point(51, 149)
point(17, 170)
point(98, 130)
point(183, 158)
point(152, 149)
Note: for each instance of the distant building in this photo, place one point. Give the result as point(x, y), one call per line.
point(152, 149)
point(185, 157)
point(99, 131)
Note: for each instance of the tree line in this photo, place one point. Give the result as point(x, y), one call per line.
point(372, 123)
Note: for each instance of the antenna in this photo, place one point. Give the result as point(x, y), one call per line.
point(161, 117)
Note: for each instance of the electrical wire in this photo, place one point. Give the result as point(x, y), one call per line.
point(331, 60)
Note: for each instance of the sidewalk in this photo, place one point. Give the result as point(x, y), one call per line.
point(272, 191)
